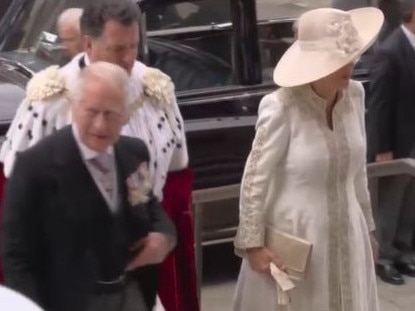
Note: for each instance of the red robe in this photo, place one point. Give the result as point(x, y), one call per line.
point(178, 280)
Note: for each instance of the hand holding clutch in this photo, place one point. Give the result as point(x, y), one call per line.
point(260, 259)
point(293, 251)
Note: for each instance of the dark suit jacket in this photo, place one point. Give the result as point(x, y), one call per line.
point(390, 9)
point(391, 102)
point(56, 223)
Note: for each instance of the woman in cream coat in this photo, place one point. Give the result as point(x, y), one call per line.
point(306, 174)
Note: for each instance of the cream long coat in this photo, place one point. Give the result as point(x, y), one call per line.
point(307, 180)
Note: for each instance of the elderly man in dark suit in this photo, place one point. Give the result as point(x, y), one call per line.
point(80, 217)
point(391, 135)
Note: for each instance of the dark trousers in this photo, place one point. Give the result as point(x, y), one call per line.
point(127, 299)
point(396, 214)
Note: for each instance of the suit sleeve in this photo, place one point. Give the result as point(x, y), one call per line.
point(20, 236)
point(381, 111)
point(160, 220)
point(270, 143)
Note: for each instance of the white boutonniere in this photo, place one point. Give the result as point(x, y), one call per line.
point(139, 185)
point(46, 83)
point(158, 87)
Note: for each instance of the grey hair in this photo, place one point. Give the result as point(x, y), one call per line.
point(70, 17)
point(104, 71)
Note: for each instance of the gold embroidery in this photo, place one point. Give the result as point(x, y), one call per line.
point(339, 282)
point(251, 223)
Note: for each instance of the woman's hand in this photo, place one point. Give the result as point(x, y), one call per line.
point(260, 259)
point(375, 246)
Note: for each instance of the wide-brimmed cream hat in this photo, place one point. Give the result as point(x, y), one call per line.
point(12, 300)
point(328, 39)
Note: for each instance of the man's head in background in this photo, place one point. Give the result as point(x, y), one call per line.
point(69, 31)
point(111, 31)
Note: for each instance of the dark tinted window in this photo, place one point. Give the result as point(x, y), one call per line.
point(275, 20)
point(275, 28)
point(31, 31)
point(191, 42)
point(277, 9)
point(10, 97)
point(34, 18)
point(189, 14)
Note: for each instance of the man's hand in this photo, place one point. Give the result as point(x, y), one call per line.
point(260, 259)
point(383, 157)
point(154, 249)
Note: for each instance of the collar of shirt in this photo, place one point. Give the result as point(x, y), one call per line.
point(86, 152)
point(410, 35)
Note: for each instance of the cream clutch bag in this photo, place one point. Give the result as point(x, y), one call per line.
point(294, 252)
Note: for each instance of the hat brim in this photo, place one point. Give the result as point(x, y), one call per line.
point(12, 300)
point(297, 67)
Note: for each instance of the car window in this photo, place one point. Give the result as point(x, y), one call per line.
point(10, 97)
point(39, 16)
point(275, 27)
point(189, 14)
point(33, 30)
point(353, 4)
point(275, 33)
point(191, 42)
point(276, 9)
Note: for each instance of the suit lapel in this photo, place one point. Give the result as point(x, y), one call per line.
point(77, 185)
point(128, 159)
point(126, 164)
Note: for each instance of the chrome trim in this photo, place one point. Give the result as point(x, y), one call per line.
point(182, 30)
point(119, 280)
point(218, 123)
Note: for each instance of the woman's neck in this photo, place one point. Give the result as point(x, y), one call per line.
point(325, 91)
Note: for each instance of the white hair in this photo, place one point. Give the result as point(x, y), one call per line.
point(70, 17)
point(108, 72)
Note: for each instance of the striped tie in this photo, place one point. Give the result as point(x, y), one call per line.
point(102, 165)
